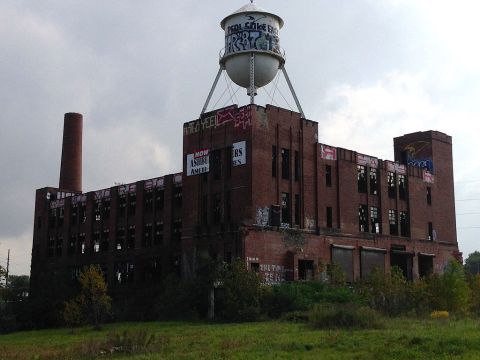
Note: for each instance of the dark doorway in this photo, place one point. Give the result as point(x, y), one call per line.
point(305, 269)
point(404, 261)
point(425, 265)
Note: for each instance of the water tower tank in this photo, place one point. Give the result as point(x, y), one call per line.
point(248, 30)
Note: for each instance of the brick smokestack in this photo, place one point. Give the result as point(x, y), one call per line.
point(71, 166)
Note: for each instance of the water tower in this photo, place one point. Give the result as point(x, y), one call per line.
point(252, 55)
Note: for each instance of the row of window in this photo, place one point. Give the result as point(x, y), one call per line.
point(152, 236)
point(153, 201)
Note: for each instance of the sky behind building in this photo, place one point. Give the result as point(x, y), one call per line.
point(367, 71)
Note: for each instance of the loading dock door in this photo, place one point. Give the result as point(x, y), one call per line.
point(343, 256)
point(372, 259)
point(305, 269)
point(404, 261)
point(425, 264)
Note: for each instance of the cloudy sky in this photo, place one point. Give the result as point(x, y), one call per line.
point(366, 70)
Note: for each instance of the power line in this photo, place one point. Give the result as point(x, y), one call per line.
point(470, 213)
point(469, 227)
point(467, 200)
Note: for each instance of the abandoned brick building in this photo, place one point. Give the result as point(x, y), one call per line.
point(256, 185)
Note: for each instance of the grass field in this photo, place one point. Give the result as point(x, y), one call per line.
point(399, 339)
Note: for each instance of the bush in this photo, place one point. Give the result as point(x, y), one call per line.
point(301, 296)
point(449, 291)
point(327, 316)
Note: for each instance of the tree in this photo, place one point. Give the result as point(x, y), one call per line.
point(93, 302)
point(472, 264)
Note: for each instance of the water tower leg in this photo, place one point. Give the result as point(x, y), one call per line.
point(292, 91)
point(252, 79)
point(212, 90)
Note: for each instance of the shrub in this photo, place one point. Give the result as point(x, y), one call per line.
point(327, 316)
point(449, 290)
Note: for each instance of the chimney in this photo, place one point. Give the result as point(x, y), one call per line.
point(71, 166)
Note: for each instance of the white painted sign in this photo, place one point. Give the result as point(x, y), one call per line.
point(198, 162)
point(239, 153)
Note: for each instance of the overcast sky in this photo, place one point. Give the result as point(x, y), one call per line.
point(366, 70)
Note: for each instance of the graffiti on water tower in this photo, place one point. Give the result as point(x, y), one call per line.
point(252, 33)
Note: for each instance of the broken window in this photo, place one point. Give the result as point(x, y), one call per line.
point(329, 217)
point(124, 272)
point(216, 164)
point(391, 184)
point(392, 219)
point(120, 242)
point(274, 161)
point(152, 270)
point(373, 181)
point(177, 230)
point(106, 208)
point(402, 186)
point(404, 228)
point(297, 166)
point(429, 195)
point(158, 239)
point(131, 237)
point(255, 267)
point(147, 235)
point(61, 214)
point(363, 218)
point(297, 209)
point(59, 246)
point(285, 164)
point(148, 202)
point(159, 199)
point(132, 203)
point(97, 210)
point(286, 208)
point(96, 242)
point(104, 240)
point(362, 178)
point(374, 220)
point(51, 246)
point(81, 244)
point(74, 214)
point(217, 208)
point(430, 231)
point(328, 175)
point(122, 205)
point(178, 196)
point(52, 217)
point(71, 245)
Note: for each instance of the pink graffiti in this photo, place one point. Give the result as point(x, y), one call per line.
point(226, 115)
point(243, 118)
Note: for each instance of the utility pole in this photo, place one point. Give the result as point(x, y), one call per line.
point(8, 266)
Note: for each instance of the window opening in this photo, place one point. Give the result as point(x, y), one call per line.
point(404, 228)
point(391, 183)
point(374, 220)
point(362, 178)
point(429, 195)
point(363, 218)
point(430, 231)
point(158, 240)
point(402, 186)
point(217, 208)
point(297, 209)
point(329, 217)
point(274, 161)
point(286, 208)
point(285, 164)
point(328, 175)
point(297, 166)
point(373, 181)
point(392, 219)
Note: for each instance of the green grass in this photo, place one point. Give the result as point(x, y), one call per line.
point(400, 339)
